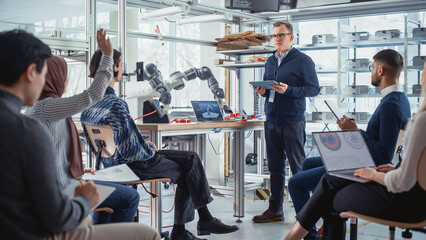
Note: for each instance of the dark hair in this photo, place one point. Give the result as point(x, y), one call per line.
point(96, 59)
point(286, 24)
point(19, 49)
point(392, 58)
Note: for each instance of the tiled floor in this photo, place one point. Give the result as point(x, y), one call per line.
point(222, 208)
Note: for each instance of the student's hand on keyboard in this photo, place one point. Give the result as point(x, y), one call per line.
point(385, 168)
point(365, 173)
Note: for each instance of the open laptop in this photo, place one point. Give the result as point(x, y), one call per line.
point(207, 111)
point(343, 152)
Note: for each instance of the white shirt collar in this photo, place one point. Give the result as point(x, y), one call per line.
point(392, 88)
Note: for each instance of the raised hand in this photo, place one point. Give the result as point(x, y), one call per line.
point(104, 43)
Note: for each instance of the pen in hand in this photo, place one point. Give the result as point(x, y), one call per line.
point(81, 182)
point(88, 190)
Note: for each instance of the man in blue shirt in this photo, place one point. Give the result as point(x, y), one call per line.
point(382, 131)
point(143, 157)
point(285, 107)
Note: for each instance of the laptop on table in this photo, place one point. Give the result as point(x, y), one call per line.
point(207, 111)
point(343, 152)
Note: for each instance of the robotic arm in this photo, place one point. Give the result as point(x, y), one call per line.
point(155, 86)
point(152, 86)
point(203, 73)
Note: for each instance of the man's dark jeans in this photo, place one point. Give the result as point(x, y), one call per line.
point(185, 169)
point(283, 141)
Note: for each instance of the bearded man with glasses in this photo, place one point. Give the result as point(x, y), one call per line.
point(285, 107)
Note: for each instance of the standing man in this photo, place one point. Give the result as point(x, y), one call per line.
point(285, 107)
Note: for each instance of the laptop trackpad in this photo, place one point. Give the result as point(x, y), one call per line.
point(349, 176)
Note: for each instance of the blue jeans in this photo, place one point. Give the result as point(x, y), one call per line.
point(304, 182)
point(283, 141)
point(124, 201)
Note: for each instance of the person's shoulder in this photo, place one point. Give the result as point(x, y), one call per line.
point(419, 123)
point(391, 104)
point(395, 98)
point(421, 118)
point(30, 130)
point(301, 55)
point(32, 125)
point(270, 59)
point(37, 108)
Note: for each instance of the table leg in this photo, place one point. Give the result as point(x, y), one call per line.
point(155, 187)
point(239, 175)
point(155, 206)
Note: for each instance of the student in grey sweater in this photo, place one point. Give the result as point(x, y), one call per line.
point(33, 204)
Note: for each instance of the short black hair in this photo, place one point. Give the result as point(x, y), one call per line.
point(19, 49)
point(392, 58)
point(96, 60)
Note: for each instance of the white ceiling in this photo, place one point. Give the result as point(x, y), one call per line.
point(30, 11)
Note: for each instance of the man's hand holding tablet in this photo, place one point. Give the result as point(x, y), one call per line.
point(265, 84)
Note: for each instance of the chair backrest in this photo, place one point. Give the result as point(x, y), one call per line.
point(102, 133)
point(398, 143)
point(421, 170)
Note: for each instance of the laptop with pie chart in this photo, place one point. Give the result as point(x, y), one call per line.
point(343, 152)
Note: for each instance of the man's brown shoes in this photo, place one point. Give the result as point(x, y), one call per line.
point(269, 216)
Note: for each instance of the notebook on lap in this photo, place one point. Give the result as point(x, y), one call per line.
point(343, 152)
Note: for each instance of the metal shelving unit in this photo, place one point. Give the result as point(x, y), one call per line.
point(237, 66)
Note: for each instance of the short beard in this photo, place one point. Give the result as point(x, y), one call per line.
point(375, 81)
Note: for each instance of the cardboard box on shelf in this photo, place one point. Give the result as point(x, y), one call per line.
point(235, 45)
point(243, 40)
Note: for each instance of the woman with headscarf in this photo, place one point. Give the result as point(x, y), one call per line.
point(55, 113)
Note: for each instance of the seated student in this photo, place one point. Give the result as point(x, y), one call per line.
point(392, 195)
point(55, 113)
point(32, 203)
point(382, 131)
point(184, 168)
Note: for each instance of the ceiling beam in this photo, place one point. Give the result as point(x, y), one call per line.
point(350, 10)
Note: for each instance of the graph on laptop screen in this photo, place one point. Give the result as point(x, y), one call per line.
point(343, 150)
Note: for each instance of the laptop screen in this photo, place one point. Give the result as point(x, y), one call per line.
point(342, 150)
point(207, 111)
